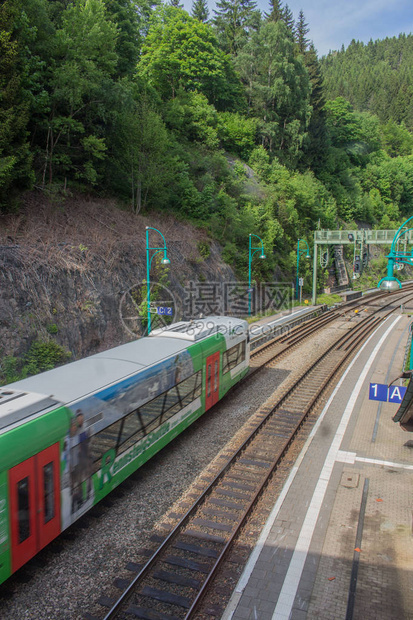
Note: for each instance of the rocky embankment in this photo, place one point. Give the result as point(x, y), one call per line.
point(71, 271)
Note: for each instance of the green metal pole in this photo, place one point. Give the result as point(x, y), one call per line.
point(298, 263)
point(314, 297)
point(249, 277)
point(390, 265)
point(148, 292)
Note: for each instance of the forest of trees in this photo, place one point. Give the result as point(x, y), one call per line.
point(162, 109)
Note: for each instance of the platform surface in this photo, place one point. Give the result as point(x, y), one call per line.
point(338, 543)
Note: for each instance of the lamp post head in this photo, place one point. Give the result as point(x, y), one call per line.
point(166, 261)
point(308, 256)
point(263, 256)
point(389, 284)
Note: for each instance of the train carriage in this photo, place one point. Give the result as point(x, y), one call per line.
point(70, 435)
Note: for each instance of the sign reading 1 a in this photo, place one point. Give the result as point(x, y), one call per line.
point(384, 393)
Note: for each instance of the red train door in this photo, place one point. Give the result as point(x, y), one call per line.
point(212, 380)
point(34, 504)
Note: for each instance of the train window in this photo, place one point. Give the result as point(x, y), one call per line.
point(100, 443)
point(48, 492)
point(171, 399)
point(234, 356)
point(209, 370)
point(23, 509)
point(151, 413)
point(132, 431)
point(124, 433)
point(215, 376)
point(190, 389)
point(172, 404)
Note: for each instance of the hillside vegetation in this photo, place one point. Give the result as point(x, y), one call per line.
point(222, 119)
point(376, 77)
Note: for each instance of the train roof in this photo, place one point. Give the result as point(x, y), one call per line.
point(202, 328)
point(16, 405)
point(68, 383)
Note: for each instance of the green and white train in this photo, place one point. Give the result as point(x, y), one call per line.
point(70, 435)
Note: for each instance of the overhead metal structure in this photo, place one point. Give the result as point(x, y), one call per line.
point(397, 258)
point(361, 237)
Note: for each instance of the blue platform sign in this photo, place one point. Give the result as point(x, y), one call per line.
point(384, 393)
point(378, 391)
point(164, 310)
point(396, 393)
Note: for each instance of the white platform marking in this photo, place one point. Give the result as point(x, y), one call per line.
point(243, 581)
point(292, 579)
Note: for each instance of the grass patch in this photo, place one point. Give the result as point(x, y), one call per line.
point(40, 357)
point(328, 300)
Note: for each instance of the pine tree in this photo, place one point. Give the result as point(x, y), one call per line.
point(300, 31)
point(288, 18)
point(276, 12)
point(200, 10)
point(176, 3)
point(123, 13)
point(15, 157)
point(233, 21)
point(316, 149)
point(278, 89)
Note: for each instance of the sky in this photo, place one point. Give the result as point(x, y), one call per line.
point(335, 23)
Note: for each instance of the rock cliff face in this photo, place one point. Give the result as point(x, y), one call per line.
point(72, 271)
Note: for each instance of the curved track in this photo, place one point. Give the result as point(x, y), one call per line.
point(277, 346)
point(175, 579)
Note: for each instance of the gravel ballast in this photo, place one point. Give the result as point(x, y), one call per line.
point(65, 580)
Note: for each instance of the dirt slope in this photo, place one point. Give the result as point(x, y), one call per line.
point(66, 266)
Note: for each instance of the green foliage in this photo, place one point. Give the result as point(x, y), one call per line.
point(204, 249)
point(233, 21)
point(376, 78)
point(397, 140)
point(278, 89)
point(369, 278)
point(237, 133)
point(143, 165)
point(69, 128)
point(200, 10)
point(15, 156)
point(392, 180)
point(301, 31)
point(166, 111)
point(9, 370)
point(328, 300)
point(130, 18)
point(182, 52)
point(191, 117)
point(40, 357)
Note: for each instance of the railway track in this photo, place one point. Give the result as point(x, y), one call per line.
point(172, 583)
point(281, 344)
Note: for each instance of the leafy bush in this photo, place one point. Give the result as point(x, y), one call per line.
point(204, 249)
point(237, 133)
point(40, 357)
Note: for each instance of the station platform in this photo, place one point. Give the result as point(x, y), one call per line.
point(338, 542)
point(268, 327)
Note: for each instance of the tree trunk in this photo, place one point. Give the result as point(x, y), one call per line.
point(138, 196)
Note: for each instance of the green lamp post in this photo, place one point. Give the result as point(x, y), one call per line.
point(165, 261)
point(300, 251)
point(390, 282)
point(252, 251)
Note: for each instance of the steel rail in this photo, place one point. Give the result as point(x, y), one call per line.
point(346, 344)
